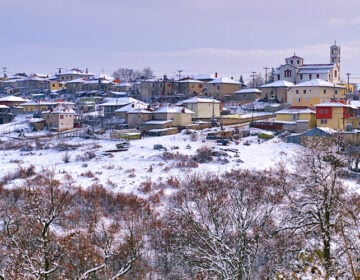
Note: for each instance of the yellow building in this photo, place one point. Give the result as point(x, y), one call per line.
point(314, 92)
point(203, 108)
point(222, 88)
point(37, 106)
point(179, 116)
point(297, 114)
point(59, 119)
point(337, 115)
point(56, 85)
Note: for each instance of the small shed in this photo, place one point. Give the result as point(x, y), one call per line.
point(315, 132)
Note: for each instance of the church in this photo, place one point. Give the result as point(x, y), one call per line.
point(296, 71)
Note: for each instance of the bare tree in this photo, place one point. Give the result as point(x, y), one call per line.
point(256, 81)
point(28, 231)
point(315, 207)
point(220, 224)
point(130, 75)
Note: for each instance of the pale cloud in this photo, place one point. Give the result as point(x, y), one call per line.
point(340, 22)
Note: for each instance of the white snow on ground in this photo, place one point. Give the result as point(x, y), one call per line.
point(125, 171)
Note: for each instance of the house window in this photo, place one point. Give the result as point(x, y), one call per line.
point(301, 76)
point(324, 91)
point(298, 62)
point(297, 91)
point(292, 62)
point(278, 76)
point(304, 91)
point(317, 76)
point(61, 117)
point(335, 91)
point(310, 76)
point(335, 74)
point(322, 121)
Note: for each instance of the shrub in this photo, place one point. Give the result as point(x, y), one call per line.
point(203, 154)
point(66, 157)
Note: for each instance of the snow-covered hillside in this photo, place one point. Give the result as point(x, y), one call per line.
point(88, 161)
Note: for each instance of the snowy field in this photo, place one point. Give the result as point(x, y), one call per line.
point(88, 161)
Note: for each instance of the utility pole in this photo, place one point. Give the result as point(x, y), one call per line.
point(266, 68)
point(348, 83)
point(253, 74)
point(4, 69)
point(179, 75)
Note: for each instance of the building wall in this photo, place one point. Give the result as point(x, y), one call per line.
point(181, 119)
point(203, 110)
point(192, 89)
point(310, 96)
point(334, 120)
point(222, 91)
point(310, 117)
point(56, 85)
point(280, 93)
point(286, 117)
point(135, 119)
point(35, 108)
point(59, 121)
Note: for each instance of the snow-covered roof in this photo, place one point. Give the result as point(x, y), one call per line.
point(355, 103)
point(158, 122)
point(197, 99)
point(327, 130)
point(104, 77)
point(38, 102)
point(173, 109)
point(60, 109)
point(4, 107)
point(333, 104)
point(248, 90)
point(295, 111)
point(132, 107)
point(78, 80)
point(36, 120)
point(317, 83)
point(125, 84)
point(224, 80)
point(191, 81)
point(75, 71)
point(139, 111)
point(13, 98)
point(110, 101)
point(280, 83)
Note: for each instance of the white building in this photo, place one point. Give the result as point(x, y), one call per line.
point(296, 71)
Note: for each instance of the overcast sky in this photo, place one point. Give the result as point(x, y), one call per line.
point(230, 37)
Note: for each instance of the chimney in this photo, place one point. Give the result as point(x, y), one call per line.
point(215, 74)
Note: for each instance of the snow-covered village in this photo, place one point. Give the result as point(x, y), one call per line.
point(132, 177)
point(180, 149)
